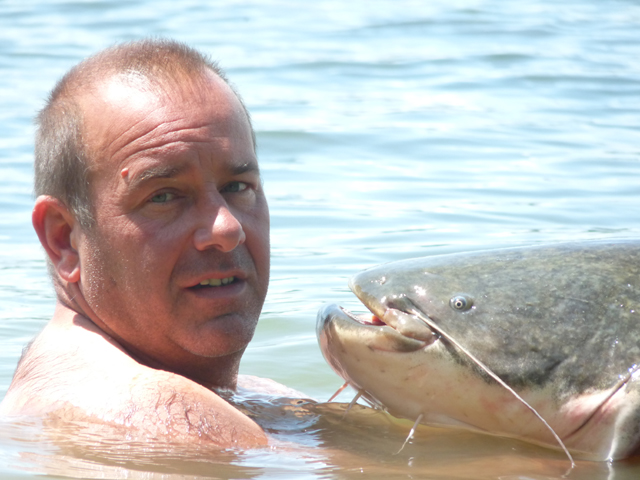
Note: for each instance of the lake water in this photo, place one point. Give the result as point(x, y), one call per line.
point(386, 130)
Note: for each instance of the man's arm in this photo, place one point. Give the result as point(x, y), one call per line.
point(73, 372)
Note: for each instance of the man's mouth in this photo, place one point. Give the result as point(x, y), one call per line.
point(216, 282)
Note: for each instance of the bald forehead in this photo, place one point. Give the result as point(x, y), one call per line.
point(132, 100)
point(139, 89)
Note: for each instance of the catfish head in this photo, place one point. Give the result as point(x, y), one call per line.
point(538, 343)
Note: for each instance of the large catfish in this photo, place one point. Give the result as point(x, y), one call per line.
point(539, 343)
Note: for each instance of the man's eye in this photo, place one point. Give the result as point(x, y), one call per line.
point(162, 197)
point(234, 187)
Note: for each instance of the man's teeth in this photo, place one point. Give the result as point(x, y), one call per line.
point(216, 282)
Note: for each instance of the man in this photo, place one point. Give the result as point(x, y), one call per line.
point(151, 210)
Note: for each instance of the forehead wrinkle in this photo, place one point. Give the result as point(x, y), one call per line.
point(161, 136)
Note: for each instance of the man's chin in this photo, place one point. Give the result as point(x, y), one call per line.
point(221, 337)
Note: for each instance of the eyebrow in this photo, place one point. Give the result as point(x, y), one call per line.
point(245, 167)
point(153, 173)
point(172, 171)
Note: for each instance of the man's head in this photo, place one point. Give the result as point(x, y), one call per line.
point(62, 159)
point(162, 237)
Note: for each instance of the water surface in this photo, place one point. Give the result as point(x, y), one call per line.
point(386, 130)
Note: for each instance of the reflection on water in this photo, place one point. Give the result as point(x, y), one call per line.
point(318, 439)
point(386, 130)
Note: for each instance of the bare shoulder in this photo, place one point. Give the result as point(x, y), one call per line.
point(72, 372)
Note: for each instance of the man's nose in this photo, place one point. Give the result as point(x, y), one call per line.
point(221, 229)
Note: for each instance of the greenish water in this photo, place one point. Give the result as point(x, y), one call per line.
point(386, 130)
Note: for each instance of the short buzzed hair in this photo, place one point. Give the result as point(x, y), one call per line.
point(62, 152)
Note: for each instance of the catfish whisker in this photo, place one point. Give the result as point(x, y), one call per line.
point(338, 392)
point(370, 403)
point(411, 432)
point(353, 402)
point(435, 327)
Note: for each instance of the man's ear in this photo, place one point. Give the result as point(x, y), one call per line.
point(57, 229)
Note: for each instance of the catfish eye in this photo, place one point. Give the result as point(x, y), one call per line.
point(461, 303)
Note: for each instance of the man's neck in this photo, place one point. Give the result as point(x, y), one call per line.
point(212, 373)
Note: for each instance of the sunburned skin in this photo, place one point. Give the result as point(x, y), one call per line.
point(160, 293)
point(87, 376)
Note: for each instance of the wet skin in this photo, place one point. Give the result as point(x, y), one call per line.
point(178, 200)
point(159, 299)
point(558, 324)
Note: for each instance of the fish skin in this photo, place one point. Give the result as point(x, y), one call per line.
point(558, 323)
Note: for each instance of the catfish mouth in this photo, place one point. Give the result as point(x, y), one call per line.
point(367, 319)
point(394, 315)
point(393, 331)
